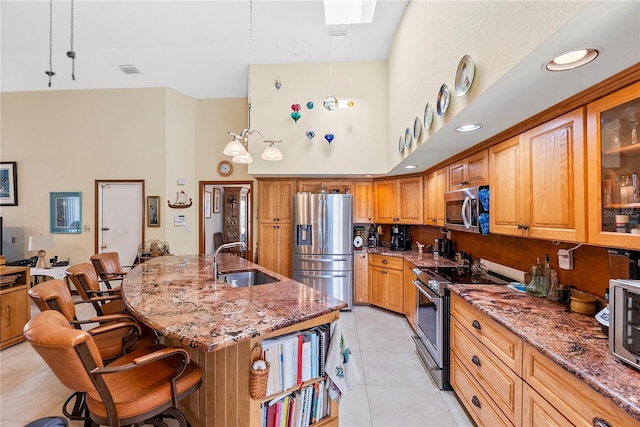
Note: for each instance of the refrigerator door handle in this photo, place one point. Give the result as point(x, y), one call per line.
point(321, 276)
point(300, 259)
point(323, 222)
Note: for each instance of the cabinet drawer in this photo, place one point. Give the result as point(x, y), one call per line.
point(538, 412)
point(579, 403)
point(481, 408)
point(386, 261)
point(500, 382)
point(501, 342)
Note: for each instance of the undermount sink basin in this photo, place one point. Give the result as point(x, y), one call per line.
point(242, 279)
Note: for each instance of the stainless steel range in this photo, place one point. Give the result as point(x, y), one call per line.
point(432, 317)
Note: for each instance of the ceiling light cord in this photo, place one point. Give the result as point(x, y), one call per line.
point(250, 64)
point(50, 72)
point(71, 54)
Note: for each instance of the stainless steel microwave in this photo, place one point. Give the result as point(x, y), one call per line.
point(467, 209)
point(624, 320)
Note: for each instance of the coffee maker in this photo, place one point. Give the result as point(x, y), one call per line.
point(400, 238)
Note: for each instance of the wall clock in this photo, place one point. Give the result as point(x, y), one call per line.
point(225, 168)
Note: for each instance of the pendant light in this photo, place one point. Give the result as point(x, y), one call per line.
point(237, 146)
point(272, 153)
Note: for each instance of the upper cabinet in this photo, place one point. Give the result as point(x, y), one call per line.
point(537, 181)
point(322, 185)
point(614, 164)
point(470, 171)
point(276, 200)
point(399, 201)
point(437, 184)
point(362, 202)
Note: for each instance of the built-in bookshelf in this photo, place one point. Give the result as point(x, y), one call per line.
point(296, 394)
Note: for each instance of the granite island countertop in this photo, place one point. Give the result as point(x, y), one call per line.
point(571, 340)
point(177, 296)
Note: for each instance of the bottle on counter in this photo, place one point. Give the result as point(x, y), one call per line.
point(554, 292)
point(545, 276)
point(535, 287)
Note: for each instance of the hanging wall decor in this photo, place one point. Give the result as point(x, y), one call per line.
point(278, 83)
point(329, 137)
point(296, 112)
point(310, 105)
point(310, 134)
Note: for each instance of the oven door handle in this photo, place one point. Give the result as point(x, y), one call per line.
point(425, 291)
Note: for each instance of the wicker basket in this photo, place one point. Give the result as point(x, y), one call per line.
point(258, 383)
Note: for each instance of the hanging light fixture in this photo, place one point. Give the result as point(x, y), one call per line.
point(272, 153)
point(237, 146)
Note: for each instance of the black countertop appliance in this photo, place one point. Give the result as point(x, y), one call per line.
point(400, 238)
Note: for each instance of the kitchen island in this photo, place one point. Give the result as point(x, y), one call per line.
point(222, 326)
point(558, 346)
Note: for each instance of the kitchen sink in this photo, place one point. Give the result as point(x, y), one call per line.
point(242, 279)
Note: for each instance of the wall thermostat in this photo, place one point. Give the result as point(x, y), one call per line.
point(180, 220)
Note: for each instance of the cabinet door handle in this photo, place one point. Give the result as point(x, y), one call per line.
point(476, 401)
point(476, 325)
point(384, 261)
point(475, 360)
point(8, 315)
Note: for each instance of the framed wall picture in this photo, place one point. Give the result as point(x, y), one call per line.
point(153, 211)
point(216, 200)
point(207, 204)
point(66, 212)
point(8, 184)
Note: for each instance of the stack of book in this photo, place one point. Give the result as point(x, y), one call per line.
point(299, 408)
point(296, 358)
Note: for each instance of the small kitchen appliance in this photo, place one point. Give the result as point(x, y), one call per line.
point(624, 321)
point(400, 238)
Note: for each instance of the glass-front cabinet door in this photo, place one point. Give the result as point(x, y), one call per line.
point(614, 169)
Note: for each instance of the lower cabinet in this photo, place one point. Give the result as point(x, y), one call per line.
point(410, 294)
point(386, 279)
point(14, 306)
point(360, 278)
point(275, 249)
point(503, 381)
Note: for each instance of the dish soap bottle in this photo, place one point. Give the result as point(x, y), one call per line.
point(535, 288)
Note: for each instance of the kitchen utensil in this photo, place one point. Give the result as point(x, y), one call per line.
point(583, 305)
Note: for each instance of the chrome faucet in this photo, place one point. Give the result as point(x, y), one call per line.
point(221, 247)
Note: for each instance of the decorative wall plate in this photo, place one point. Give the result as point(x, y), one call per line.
point(417, 129)
point(464, 75)
point(444, 97)
point(401, 145)
point(428, 116)
point(407, 138)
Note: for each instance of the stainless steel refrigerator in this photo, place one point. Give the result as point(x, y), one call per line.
point(322, 243)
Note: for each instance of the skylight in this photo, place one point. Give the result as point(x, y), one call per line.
point(340, 12)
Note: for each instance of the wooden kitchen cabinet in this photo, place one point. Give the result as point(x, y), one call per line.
point(275, 245)
point(613, 133)
point(275, 202)
point(410, 294)
point(15, 306)
point(360, 278)
point(399, 201)
point(437, 183)
point(471, 171)
point(236, 214)
point(386, 278)
point(579, 404)
point(328, 186)
point(538, 412)
point(362, 202)
point(537, 181)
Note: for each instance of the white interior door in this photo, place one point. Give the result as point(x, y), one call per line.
point(120, 218)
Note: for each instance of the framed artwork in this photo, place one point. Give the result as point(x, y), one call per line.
point(8, 184)
point(216, 200)
point(153, 211)
point(66, 212)
point(207, 204)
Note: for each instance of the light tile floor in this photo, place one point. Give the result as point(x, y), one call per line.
point(395, 389)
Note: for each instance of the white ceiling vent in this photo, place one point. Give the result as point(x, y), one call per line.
point(337, 33)
point(129, 69)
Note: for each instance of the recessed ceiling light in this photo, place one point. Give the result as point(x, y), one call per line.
point(468, 128)
point(410, 167)
point(571, 60)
